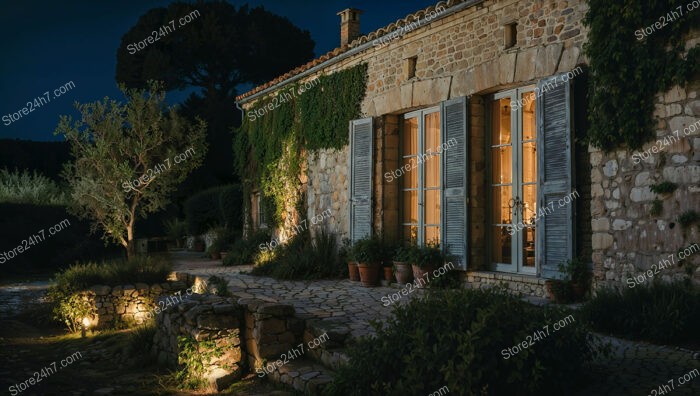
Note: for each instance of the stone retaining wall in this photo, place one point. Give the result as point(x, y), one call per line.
point(527, 285)
point(240, 335)
point(128, 304)
point(214, 324)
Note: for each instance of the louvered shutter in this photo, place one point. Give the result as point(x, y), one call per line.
point(455, 180)
point(360, 179)
point(554, 143)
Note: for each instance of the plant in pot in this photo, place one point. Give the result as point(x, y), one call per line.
point(559, 290)
point(579, 276)
point(428, 257)
point(176, 230)
point(403, 257)
point(345, 254)
point(199, 244)
point(368, 255)
point(214, 250)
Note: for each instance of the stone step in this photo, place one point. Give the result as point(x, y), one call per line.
point(332, 336)
point(301, 374)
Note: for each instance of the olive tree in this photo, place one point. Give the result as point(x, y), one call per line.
point(128, 159)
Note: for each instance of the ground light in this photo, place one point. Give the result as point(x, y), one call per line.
point(86, 324)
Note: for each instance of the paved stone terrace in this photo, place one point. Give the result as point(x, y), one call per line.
point(348, 301)
point(633, 369)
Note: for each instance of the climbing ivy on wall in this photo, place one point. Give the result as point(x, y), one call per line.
point(636, 50)
point(270, 149)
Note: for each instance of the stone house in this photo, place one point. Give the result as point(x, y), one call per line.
point(472, 119)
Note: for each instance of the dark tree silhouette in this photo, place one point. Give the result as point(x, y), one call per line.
point(220, 49)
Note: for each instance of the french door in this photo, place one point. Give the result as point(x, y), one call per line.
point(513, 182)
point(420, 188)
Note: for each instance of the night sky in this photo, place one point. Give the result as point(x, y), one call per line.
point(47, 44)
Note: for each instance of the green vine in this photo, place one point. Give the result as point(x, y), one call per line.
point(630, 67)
point(271, 144)
point(193, 354)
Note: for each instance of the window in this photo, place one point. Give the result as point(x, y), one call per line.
point(513, 151)
point(510, 35)
point(409, 67)
point(420, 176)
point(258, 212)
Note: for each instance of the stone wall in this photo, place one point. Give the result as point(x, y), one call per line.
point(214, 324)
point(327, 182)
point(627, 238)
point(526, 285)
point(246, 334)
point(271, 329)
point(128, 304)
point(460, 55)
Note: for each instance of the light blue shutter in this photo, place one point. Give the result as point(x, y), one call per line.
point(360, 178)
point(554, 143)
point(454, 179)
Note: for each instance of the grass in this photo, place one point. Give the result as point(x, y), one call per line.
point(140, 269)
point(657, 312)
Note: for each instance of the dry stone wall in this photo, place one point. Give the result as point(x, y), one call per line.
point(128, 304)
point(628, 237)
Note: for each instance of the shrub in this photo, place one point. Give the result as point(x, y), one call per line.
point(303, 257)
point(215, 207)
point(245, 251)
point(30, 188)
point(459, 339)
point(175, 229)
point(659, 312)
point(663, 187)
point(688, 218)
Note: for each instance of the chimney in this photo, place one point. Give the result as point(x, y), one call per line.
point(349, 25)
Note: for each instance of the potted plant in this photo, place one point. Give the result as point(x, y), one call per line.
point(176, 230)
point(368, 255)
point(199, 245)
point(579, 277)
point(403, 256)
point(427, 258)
point(558, 290)
point(345, 254)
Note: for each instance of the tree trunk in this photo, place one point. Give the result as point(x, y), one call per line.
point(130, 244)
point(130, 249)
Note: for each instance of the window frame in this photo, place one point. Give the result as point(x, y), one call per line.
point(421, 189)
point(516, 183)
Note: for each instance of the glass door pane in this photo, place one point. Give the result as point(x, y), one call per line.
point(528, 181)
point(501, 182)
point(408, 174)
point(431, 197)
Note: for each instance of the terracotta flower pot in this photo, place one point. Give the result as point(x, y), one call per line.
point(369, 274)
point(403, 272)
point(223, 255)
point(387, 273)
point(215, 256)
point(419, 275)
point(353, 272)
point(578, 291)
point(199, 246)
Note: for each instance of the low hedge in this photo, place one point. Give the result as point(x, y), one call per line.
point(458, 339)
point(657, 312)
